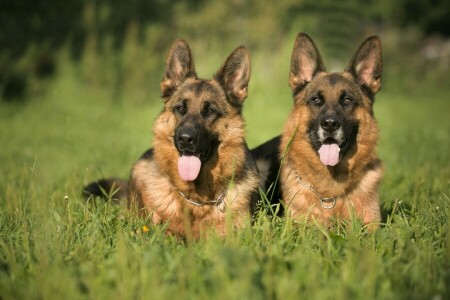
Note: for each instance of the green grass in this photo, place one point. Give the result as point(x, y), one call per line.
point(53, 245)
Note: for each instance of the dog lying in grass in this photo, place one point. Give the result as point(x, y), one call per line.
point(199, 170)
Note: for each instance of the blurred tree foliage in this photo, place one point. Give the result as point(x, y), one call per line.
point(92, 30)
point(432, 16)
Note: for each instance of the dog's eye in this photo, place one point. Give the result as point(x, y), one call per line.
point(316, 101)
point(347, 101)
point(209, 112)
point(180, 109)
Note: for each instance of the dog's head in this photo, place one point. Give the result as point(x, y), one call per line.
point(333, 106)
point(201, 114)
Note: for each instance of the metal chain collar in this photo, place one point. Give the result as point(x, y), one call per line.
point(216, 202)
point(325, 202)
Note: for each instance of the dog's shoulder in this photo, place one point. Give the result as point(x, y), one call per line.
point(267, 150)
point(147, 155)
point(267, 158)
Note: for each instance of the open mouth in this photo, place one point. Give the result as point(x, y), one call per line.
point(332, 147)
point(329, 152)
point(193, 158)
point(189, 164)
point(330, 140)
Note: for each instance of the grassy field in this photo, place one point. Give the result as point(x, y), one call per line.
point(55, 246)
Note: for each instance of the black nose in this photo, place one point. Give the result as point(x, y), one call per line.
point(186, 138)
point(330, 123)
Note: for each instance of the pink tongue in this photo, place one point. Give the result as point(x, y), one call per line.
point(329, 154)
point(189, 167)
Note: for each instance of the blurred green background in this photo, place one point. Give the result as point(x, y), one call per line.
point(121, 45)
point(79, 80)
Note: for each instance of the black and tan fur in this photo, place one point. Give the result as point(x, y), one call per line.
point(209, 111)
point(325, 103)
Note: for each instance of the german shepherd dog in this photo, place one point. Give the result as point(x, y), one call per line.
point(329, 168)
point(200, 168)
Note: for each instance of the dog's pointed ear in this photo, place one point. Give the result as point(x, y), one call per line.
point(234, 75)
point(366, 64)
point(306, 62)
point(179, 67)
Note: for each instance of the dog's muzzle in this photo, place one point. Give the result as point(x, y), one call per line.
point(330, 136)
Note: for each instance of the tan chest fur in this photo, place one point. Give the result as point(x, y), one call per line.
point(358, 198)
point(162, 200)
